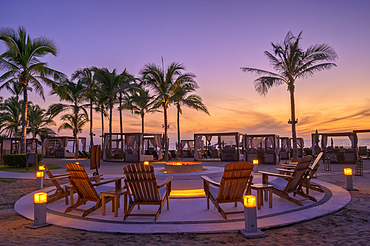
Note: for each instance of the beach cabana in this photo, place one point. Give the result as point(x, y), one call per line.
point(187, 148)
point(336, 155)
point(362, 151)
point(133, 147)
point(284, 147)
point(62, 147)
point(263, 147)
point(13, 146)
point(228, 143)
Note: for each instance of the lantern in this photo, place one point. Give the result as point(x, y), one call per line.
point(146, 163)
point(347, 171)
point(250, 216)
point(255, 162)
point(249, 201)
point(39, 174)
point(40, 197)
point(39, 203)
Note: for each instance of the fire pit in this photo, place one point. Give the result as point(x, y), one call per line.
point(183, 167)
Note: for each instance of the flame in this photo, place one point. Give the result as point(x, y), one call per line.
point(176, 163)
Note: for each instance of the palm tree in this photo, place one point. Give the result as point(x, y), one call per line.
point(10, 116)
point(87, 77)
point(291, 63)
point(101, 106)
point(110, 84)
point(69, 91)
point(164, 84)
point(139, 102)
point(22, 65)
point(70, 123)
point(193, 101)
point(39, 121)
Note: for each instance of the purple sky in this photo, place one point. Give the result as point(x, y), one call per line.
point(213, 39)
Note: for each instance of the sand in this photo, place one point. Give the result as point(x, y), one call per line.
point(349, 226)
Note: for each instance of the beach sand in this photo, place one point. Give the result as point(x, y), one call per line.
point(349, 226)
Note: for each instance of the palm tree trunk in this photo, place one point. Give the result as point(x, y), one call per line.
point(102, 128)
point(120, 114)
point(110, 124)
point(76, 135)
point(165, 135)
point(142, 123)
point(91, 124)
point(24, 121)
point(294, 134)
point(178, 130)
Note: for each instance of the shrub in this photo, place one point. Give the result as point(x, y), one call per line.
point(18, 160)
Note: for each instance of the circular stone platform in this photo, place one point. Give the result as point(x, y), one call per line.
point(190, 215)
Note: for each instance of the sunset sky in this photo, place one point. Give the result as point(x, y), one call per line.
point(213, 39)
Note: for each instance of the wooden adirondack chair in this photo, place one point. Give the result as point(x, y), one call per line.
point(143, 189)
point(285, 184)
point(235, 183)
point(59, 192)
point(86, 189)
point(289, 169)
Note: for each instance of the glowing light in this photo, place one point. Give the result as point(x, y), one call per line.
point(40, 197)
point(187, 193)
point(255, 161)
point(176, 163)
point(146, 163)
point(39, 174)
point(249, 201)
point(41, 168)
point(77, 163)
point(347, 171)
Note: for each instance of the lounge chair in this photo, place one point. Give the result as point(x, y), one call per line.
point(214, 154)
point(108, 154)
point(85, 189)
point(172, 155)
point(143, 189)
point(235, 183)
point(286, 184)
point(289, 168)
point(59, 192)
point(363, 151)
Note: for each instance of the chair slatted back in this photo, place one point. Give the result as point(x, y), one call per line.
point(142, 183)
point(298, 174)
point(81, 182)
point(236, 178)
point(51, 176)
point(315, 166)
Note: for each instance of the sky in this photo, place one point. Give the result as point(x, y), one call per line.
point(213, 39)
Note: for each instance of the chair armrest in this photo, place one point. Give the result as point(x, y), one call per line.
point(165, 182)
point(61, 175)
point(285, 170)
point(210, 181)
point(277, 175)
point(107, 181)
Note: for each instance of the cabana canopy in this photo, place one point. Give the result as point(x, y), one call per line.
point(62, 146)
point(336, 155)
point(264, 147)
point(227, 142)
point(136, 147)
point(187, 148)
